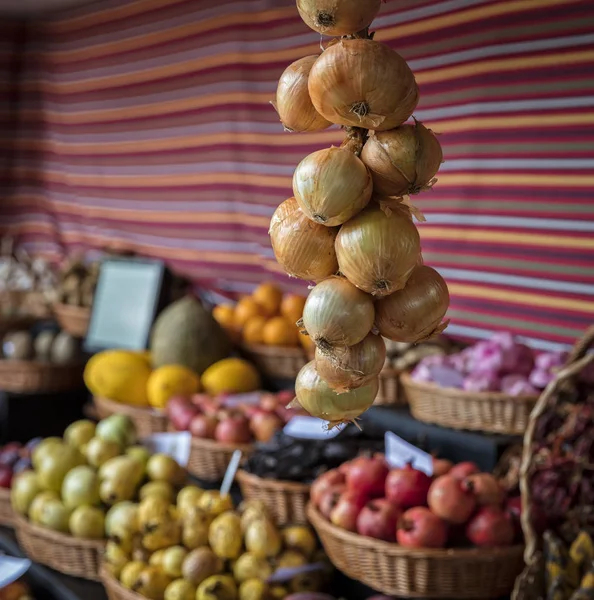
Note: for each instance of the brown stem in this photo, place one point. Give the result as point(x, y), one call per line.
point(355, 140)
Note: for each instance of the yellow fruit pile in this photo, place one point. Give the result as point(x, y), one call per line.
point(202, 549)
point(266, 317)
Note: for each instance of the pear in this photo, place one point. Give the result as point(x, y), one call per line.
point(118, 489)
point(201, 564)
point(151, 583)
point(79, 433)
point(300, 538)
point(130, 573)
point(164, 535)
point(187, 498)
point(140, 453)
point(180, 589)
point(87, 522)
point(214, 504)
point(117, 428)
point(24, 489)
point(250, 566)
point(160, 489)
point(195, 534)
point(36, 507)
point(55, 516)
point(80, 487)
point(152, 512)
point(122, 467)
point(217, 587)
point(262, 538)
point(44, 449)
point(121, 521)
point(253, 589)
point(224, 536)
point(99, 451)
point(173, 559)
point(56, 465)
point(156, 559)
point(115, 557)
point(162, 467)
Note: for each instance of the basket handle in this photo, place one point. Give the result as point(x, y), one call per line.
point(581, 347)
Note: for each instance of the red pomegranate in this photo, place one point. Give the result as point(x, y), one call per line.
point(346, 511)
point(203, 426)
point(378, 519)
point(324, 482)
point(463, 469)
point(441, 466)
point(407, 487)
point(419, 528)
point(329, 498)
point(367, 476)
point(490, 527)
point(450, 501)
point(486, 489)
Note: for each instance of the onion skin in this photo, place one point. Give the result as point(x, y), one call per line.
point(338, 17)
point(332, 186)
point(336, 313)
point(293, 103)
point(376, 251)
point(415, 313)
point(350, 367)
point(316, 397)
point(402, 161)
point(303, 248)
point(362, 83)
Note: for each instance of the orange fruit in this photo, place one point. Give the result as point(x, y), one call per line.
point(292, 307)
point(224, 314)
point(246, 309)
point(307, 343)
point(269, 297)
point(278, 331)
point(253, 330)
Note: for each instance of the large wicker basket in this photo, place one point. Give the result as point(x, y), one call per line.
point(115, 590)
point(146, 420)
point(279, 362)
point(6, 512)
point(494, 412)
point(389, 392)
point(64, 553)
point(209, 459)
point(73, 319)
point(286, 500)
point(30, 376)
point(419, 573)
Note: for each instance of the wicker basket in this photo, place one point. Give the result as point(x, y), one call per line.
point(64, 553)
point(277, 361)
point(389, 392)
point(209, 459)
point(73, 319)
point(423, 573)
point(286, 500)
point(494, 412)
point(30, 376)
point(115, 590)
point(146, 420)
point(6, 512)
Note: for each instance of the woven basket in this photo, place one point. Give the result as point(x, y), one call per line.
point(286, 500)
point(115, 590)
point(389, 392)
point(209, 459)
point(6, 512)
point(73, 319)
point(64, 553)
point(494, 412)
point(423, 573)
point(277, 361)
point(146, 420)
point(29, 376)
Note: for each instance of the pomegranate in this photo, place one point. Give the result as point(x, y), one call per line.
point(264, 425)
point(449, 500)
point(419, 528)
point(346, 511)
point(486, 489)
point(285, 414)
point(233, 429)
point(378, 519)
point(268, 402)
point(513, 508)
point(324, 482)
point(345, 467)
point(180, 412)
point(329, 498)
point(441, 466)
point(209, 406)
point(203, 426)
point(490, 527)
point(367, 476)
point(285, 396)
point(464, 469)
point(407, 487)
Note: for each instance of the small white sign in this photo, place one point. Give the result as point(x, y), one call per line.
point(400, 453)
point(285, 574)
point(176, 444)
point(252, 399)
point(311, 428)
point(11, 569)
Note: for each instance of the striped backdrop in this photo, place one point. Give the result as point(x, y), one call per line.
point(146, 125)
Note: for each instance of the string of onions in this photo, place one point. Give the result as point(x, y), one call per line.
point(332, 185)
point(351, 367)
point(362, 83)
point(293, 104)
point(403, 160)
point(415, 313)
point(343, 17)
point(320, 400)
point(336, 313)
point(303, 248)
point(377, 251)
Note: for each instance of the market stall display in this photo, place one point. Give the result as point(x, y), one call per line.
point(17, 590)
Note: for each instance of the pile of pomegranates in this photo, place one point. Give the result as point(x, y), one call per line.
point(459, 506)
point(230, 420)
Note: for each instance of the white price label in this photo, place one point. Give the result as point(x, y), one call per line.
point(11, 569)
point(311, 428)
point(287, 573)
point(400, 453)
point(176, 444)
point(252, 399)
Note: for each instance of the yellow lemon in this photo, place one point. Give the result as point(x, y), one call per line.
point(168, 381)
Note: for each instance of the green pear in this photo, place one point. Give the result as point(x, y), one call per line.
point(99, 451)
point(38, 503)
point(25, 487)
point(79, 433)
point(121, 521)
point(140, 453)
point(44, 449)
point(162, 467)
point(80, 487)
point(117, 428)
point(56, 465)
point(124, 467)
point(162, 489)
point(118, 489)
point(54, 515)
point(188, 497)
point(173, 559)
point(87, 522)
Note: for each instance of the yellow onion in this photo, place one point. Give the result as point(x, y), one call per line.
point(336, 313)
point(377, 251)
point(338, 17)
point(363, 83)
point(415, 313)
point(331, 186)
point(316, 397)
point(303, 248)
point(293, 103)
point(404, 160)
point(350, 367)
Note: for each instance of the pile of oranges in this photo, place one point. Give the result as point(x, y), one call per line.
point(266, 317)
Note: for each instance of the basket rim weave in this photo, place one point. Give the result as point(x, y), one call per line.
point(265, 482)
point(214, 445)
point(72, 309)
point(265, 350)
point(112, 585)
point(128, 408)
